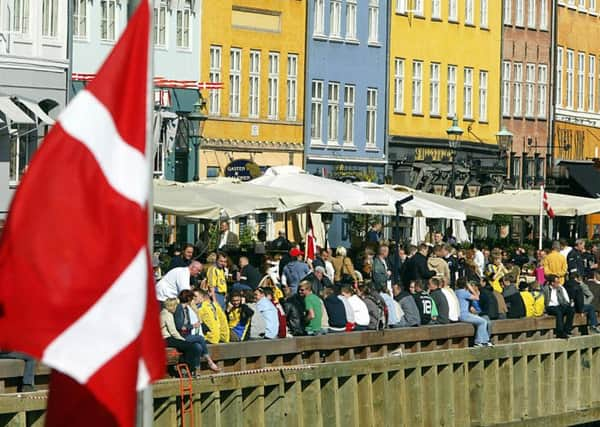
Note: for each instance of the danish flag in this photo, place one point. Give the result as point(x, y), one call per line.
point(547, 206)
point(75, 278)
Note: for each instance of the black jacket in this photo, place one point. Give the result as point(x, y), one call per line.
point(416, 269)
point(514, 302)
point(488, 303)
point(316, 284)
point(425, 305)
point(335, 311)
point(575, 293)
point(575, 262)
point(252, 276)
point(441, 303)
point(293, 307)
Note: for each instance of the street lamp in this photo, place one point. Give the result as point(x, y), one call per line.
point(197, 119)
point(504, 139)
point(454, 133)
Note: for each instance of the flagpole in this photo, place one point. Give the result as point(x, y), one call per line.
point(541, 216)
point(145, 401)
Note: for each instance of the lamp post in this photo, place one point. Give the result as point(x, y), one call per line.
point(197, 119)
point(327, 219)
point(504, 138)
point(454, 133)
point(399, 211)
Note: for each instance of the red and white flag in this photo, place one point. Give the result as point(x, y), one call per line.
point(547, 206)
point(311, 241)
point(76, 285)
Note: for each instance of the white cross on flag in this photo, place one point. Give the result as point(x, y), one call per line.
point(75, 278)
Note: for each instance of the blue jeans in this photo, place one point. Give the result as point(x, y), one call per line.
point(200, 343)
point(29, 371)
point(483, 326)
point(591, 314)
point(220, 299)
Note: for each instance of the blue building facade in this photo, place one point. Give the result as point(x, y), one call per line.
point(346, 87)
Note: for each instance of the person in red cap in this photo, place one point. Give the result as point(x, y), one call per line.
point(295, 270)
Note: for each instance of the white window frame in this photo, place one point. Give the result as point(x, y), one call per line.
point(483, 13)
point(21, 17)
point(520, 13)
point(235, 79)
point(570, 78)
point(559, 75)
point(452, 71)
point(417, 87)
point(580, 81)
point(436, 9)
point(273, 86)
point(214, 76)
point(592, 6)
point(319, 18)
point(316, 122)
point(401, 6)
point(254, 84)
point(418, 7)
point(333, 113)
point(373, 21)
point(292, 87)
point(399, 85)
point(518, 89)
point(108, 20)
point(349, 104)
point(483, 94)
point(591, 87)
point(160, 21)
point(184, 26)
point(50, 18)
point(371, 119)
point(542, 90)
point(531, 13)
point(434, 89)
point(582, 5)
point(80, 19)
point(351, 14)
point(506, 84)
point(469, 12)
point(335, 19)
point(530, 79)
point(544, 15)
point(468, 93)
point(507, 12)
point(453, 10)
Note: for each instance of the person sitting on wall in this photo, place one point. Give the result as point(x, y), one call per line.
point(559, 304)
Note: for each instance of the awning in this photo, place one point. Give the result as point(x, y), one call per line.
point(586, 175)
point(13, 112)
point(35, 109)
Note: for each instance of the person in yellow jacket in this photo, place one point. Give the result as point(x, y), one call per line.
point(217, 280)
point(533, 299)
point(496, 271)
point(213, 318)
point(555, 263)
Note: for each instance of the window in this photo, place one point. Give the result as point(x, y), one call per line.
point(316, 119)
point(559, 76)
point(80, 19)
point(580, 80)
point(401, 6)
point(515, 170)
point(453, 10)
point(349, 115)
point(214, 76)
point(468, 94)
point(160, 24)
point(542, 90)
point(531, 13)
point(159, 157)
point(292, 87)
point(108, 20)
point(483, 14)
point(483, 88)
point(451, 91)
point(591, 83)
point(434, 89)
point(273, 84)
point(543, 15)
point(371, 117)
point(418, 7)
point(49, 18)
point(21, 16)
point(519, 19)
point(506, 67)
point(399, 85)
point(436, 9)
point(351, 19)
point(417, 87)
point(518, 90)
point(582, 4)
point(335, 18)
point(592, 6)
point(570, 66)
point(469, 12)
point(530, 90)
point(508, 12)
point(333, 112)
point(22, 147)
point(319, 18)
point(235, 75)
point(254, 85)
point(184, 17)
point(373, 21)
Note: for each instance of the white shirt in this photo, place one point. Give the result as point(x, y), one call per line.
point(348, 308)
point(453, 304)
point(329, 270)
point(566, 250)
point(360, 310)
point(223, 241)
point(480, 261)
point(175, 281)
point(554, 296)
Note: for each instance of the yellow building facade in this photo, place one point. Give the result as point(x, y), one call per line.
point(445, 61)
point(256, 48)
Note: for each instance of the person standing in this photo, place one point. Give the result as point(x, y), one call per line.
point(176, 281)
point(295, 270)
point(555, 263)
point(374, 233)
point(381, 270)
point(184, 258)
point(228, 240)
point(416, 266)
point(217, 279)
point(248, 276)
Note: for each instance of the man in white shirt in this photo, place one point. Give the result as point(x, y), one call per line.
point(559, 304)
point(228, 240)
point(176, 280)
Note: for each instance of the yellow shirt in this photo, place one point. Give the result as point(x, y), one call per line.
point(215, 278)
point(212, 315)
point(555, 263)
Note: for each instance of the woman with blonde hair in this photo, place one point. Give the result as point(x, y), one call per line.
point(172, 337)
point(342, 265)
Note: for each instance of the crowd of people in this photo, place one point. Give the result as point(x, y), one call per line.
point(284, 294)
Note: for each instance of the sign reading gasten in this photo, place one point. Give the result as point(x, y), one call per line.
point(244, 170)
